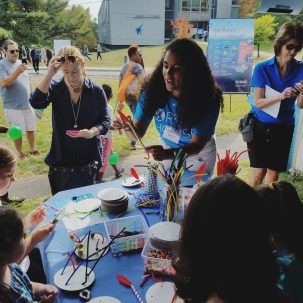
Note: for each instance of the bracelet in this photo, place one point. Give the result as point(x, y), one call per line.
point(91, 134)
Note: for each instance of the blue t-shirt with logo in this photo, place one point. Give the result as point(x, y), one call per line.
point(166, 123)
point(266, 73)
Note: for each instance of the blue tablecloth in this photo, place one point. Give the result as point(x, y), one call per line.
point(54, 251)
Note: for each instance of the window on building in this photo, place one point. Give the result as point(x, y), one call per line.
point(195, 5)
point(185, 5)
point(204, 5)
point(235, 2)
point(169, 4)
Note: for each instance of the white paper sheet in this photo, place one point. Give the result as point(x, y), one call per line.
point(72, 221)
point(272, 110)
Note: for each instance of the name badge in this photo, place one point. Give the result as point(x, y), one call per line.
point(171, 134)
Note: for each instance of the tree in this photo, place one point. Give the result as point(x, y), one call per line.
point(4, 34)
point(41, 21)
point(247, 7)
point(181, 28)
point(264, 29)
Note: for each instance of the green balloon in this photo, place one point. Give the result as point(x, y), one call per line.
point(113, 158)
point(15, 132)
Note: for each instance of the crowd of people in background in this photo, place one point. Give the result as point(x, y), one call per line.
point(252, 234)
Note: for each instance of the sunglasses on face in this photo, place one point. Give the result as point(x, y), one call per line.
point(71, 59)
point(292, 46)
point(12, 51)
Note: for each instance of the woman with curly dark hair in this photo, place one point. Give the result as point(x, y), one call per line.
point(225, 254)
point(183, 98)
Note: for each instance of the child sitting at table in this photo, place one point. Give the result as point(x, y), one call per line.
point(15, 285)
point(7, 168)
point(284, 216)
point(235, 262)
point(107, 140)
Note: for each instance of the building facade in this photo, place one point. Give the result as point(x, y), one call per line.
point(148, 22)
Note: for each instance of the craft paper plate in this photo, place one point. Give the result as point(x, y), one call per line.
point(87, 205)
point(76, 282)
point(162, 292)
point(132, 182)
point(165, 231)
point(165, 235)
point(111, 194)
point(104, 300)
point(95, 243)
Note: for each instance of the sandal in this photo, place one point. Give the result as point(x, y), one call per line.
point(132, 147)
point(21, 156)
point(35, 153)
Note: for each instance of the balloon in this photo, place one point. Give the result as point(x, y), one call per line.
point(15, 132)
point(113, 158)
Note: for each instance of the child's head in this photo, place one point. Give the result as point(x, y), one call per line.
point(12, 246)
point(7, 167)
point(108, 91)
point(284, 215)
point(235, 261)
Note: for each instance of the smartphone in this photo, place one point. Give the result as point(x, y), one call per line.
point(24, 61)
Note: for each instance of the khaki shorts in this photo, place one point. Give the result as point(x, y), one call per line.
point(24, 118)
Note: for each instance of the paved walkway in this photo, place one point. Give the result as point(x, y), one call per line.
point(38, 186)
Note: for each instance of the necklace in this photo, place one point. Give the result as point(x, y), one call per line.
point(76, 89)
point(76, 115)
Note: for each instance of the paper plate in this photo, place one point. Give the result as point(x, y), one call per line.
point(75, 283)
point(95, 243)
point(132, 182)
point(165, 231)
point(162, 292)
point(87, 205)
point(111, 194)
point(104, 300)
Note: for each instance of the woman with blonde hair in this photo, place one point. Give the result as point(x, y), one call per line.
point(79, 115)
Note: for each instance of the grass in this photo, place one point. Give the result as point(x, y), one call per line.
point(235, 107)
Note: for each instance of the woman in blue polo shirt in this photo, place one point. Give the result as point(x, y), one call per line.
point(275, 88)
point(183, 98)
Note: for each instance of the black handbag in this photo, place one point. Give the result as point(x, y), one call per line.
point(246, 127)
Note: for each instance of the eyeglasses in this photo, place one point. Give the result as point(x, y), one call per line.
point(71, 59)
point(290, 47)
point(12, 51)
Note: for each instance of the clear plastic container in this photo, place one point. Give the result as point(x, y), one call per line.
point(134, 236)
point(157, 264)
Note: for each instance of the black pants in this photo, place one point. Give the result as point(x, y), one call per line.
point(64, 178)
point(36, 65)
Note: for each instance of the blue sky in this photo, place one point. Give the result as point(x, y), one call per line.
point(93, 5)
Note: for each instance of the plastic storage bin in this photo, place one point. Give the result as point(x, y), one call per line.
point(134, 237)
point(161, 264)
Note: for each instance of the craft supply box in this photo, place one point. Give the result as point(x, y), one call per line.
point(163, 266)
point(127, 244)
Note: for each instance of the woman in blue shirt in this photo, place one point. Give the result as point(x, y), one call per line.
point(183, 98)
point(275, 83)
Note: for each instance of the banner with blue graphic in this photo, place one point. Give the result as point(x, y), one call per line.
point(230, 53)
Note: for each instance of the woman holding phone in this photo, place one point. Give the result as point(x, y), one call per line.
point(79, 115)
